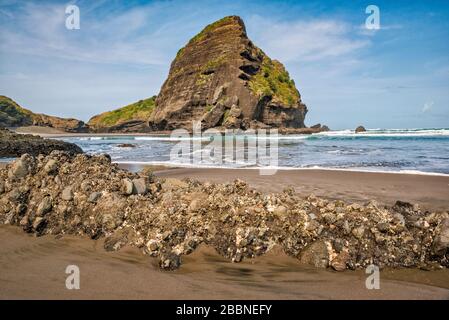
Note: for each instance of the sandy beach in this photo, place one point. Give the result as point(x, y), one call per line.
point(431, 192)
point(34, 268)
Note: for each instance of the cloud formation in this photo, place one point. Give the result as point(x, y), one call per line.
point(427, 107)
point(311, 40)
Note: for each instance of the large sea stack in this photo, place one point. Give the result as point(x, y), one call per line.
point(223, 80)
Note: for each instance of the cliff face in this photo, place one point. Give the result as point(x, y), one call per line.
point(13, 115)
point(131, 118)
point(222, 79)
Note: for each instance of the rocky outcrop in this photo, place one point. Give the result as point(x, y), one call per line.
point(13, 115)
point(313, 129)
point(59, 194)
point(131, 118)
point(360, 129)
point(63, 124)
point(223, 80)
point(15, 145)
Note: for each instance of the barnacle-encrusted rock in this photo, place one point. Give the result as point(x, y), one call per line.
point(88, 195)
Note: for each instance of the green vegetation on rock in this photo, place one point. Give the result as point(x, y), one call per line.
point(273, 80)
point(11, 114)
point(140, 110)
point(202, 35)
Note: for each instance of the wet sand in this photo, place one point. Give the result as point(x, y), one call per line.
point(47, 132)
point(430, 192)
point(34, 268)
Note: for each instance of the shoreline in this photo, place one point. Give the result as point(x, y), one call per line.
point(314, 168)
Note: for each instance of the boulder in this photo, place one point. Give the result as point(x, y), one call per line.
point(360, 129)
point(339, 262)
point(94, 196)
point(316, 254)
point(235, 111)
point(19, 169)
point(44, 206)
point(441, 242)
point(140, 186)
point(51, 166)
point(128, 186)
point(211, 118)
point(67, 194)
point(169, 261)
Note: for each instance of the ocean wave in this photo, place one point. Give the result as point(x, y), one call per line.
point(384, 133)
point(280, 168)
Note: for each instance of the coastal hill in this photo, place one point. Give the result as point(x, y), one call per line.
point(222, 79)
point(13, 115)
point(131, 118)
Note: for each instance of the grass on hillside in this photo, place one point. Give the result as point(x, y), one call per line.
point(13, 114)
point(140, 110)
point(274, 81)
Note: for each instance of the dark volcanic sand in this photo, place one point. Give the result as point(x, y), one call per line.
point(34, 268)
point(430, 192)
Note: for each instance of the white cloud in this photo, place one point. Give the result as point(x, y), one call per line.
point(427, 106)
point(125, 37)
point(305, 40)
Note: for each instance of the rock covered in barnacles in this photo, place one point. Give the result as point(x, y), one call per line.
point(88, 195)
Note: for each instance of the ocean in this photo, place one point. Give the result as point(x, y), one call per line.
point(422, 151)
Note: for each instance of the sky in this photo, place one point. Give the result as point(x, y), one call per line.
point(394, 77)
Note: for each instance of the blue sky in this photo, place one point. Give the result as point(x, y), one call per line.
point(395, 77)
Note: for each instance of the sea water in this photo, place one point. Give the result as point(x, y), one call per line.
point(392, 150)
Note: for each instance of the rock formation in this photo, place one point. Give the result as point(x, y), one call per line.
point(360, 129)
point(59, 194)
point(223, 80)
point(13, 115)
point(131, 118)
point(14, 145)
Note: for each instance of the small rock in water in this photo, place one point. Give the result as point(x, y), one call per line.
point(360, 129)
point(126, 145)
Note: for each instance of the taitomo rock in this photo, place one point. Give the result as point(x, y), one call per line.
point(220, 70)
